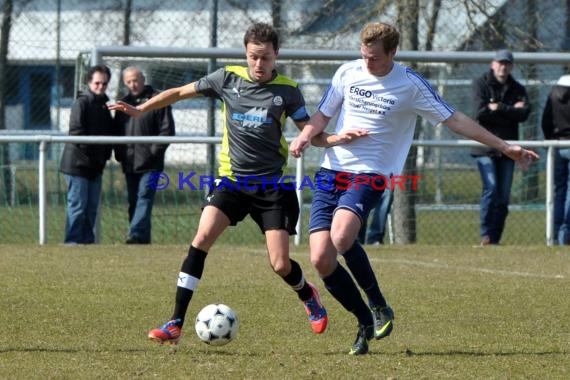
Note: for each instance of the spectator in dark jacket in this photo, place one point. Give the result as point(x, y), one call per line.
point(500, 103)
point(83, 164)
point(556, 126)
point(139, 161)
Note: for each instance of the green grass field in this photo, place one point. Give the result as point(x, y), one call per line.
point(461, 313)
point(177, 225)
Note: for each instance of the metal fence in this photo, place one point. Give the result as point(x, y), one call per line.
point(52, 43)
point(448, 195)
point(49, 210)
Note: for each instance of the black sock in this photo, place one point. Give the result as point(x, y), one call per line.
point(188, 279)
point(296, 280)
point(342, 287)
point(359, 265)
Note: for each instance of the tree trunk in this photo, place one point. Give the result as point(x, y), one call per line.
point(4, 148)
point(529, 191)
point(404, 206)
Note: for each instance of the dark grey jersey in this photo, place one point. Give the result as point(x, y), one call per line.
point(254, 116)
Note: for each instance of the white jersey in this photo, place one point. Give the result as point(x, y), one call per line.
point(387, 106)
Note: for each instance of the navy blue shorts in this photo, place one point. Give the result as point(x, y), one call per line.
point(358, 193)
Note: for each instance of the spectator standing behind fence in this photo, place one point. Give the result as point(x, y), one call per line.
point(139, 161)
point(83, 164)
point(373, 233)
point(500, 103)
point(556, 126)
point(384, 97)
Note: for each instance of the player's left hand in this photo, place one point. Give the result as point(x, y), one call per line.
point(351, 135)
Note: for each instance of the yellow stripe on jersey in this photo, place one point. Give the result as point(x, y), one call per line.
point(225, 168)
point(279, 79)
point(240, 71)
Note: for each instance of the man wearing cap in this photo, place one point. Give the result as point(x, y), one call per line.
point(500, 104)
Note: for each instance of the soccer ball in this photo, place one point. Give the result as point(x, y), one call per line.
point(217, 324)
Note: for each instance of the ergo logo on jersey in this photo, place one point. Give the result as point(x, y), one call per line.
point(361, 92)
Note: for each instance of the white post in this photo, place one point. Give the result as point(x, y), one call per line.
point(13, 187)
point(298, 181)
point(42, 196)
point(550, 197)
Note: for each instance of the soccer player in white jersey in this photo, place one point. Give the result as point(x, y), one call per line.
point(383, 97)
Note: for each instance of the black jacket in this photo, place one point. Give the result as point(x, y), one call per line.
point(89, 117)
point(140, 158)
point(503, 122)
point(556, 115)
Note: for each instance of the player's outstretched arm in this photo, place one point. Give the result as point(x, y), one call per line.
point(325, 140)
point(164, 99)
point(467, 127)
point(313, 127)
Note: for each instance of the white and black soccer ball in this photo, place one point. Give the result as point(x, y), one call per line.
point(217, 324)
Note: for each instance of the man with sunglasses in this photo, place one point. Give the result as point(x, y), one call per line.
point(83, 164)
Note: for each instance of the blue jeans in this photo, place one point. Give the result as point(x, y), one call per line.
point(497, 177)
point(377, 228)
point(562, 196)
point(141, 199)
point(83, 197)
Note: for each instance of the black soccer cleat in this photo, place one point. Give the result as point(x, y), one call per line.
point(383, 321)
point(364, 334)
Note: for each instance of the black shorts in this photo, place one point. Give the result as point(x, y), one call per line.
point(271, 207)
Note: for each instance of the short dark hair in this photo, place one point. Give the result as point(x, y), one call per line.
point(98, 69)
point(261, 32)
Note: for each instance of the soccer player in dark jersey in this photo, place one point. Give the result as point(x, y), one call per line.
point(256, 102)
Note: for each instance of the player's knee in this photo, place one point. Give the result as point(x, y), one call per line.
point(323, 264)
point(342, 242)
point(281, 267)
point(203, 242)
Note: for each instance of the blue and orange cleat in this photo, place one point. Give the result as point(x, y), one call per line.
point(316, 311)
point(169, 333)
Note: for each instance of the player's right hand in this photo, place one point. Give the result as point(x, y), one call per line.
point(124, 107)
point(298, 145)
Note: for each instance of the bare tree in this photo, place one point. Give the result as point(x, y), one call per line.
point(431, 24)
point(403, 208)
point(4, 40)
point(127, 22)
point(566, 41)
point(276, 14)
point(530, 180)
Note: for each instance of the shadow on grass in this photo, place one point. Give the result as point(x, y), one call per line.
point(451, 353)
point(169, 349)
point(64, 350)
point(409, 352)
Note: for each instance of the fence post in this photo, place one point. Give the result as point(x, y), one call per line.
point(550, 238)
point(298, 181)
point(42, 196)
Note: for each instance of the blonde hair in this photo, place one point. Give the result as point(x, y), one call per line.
point(375, 32)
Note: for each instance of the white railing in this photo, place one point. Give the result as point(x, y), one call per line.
point(44, 140)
